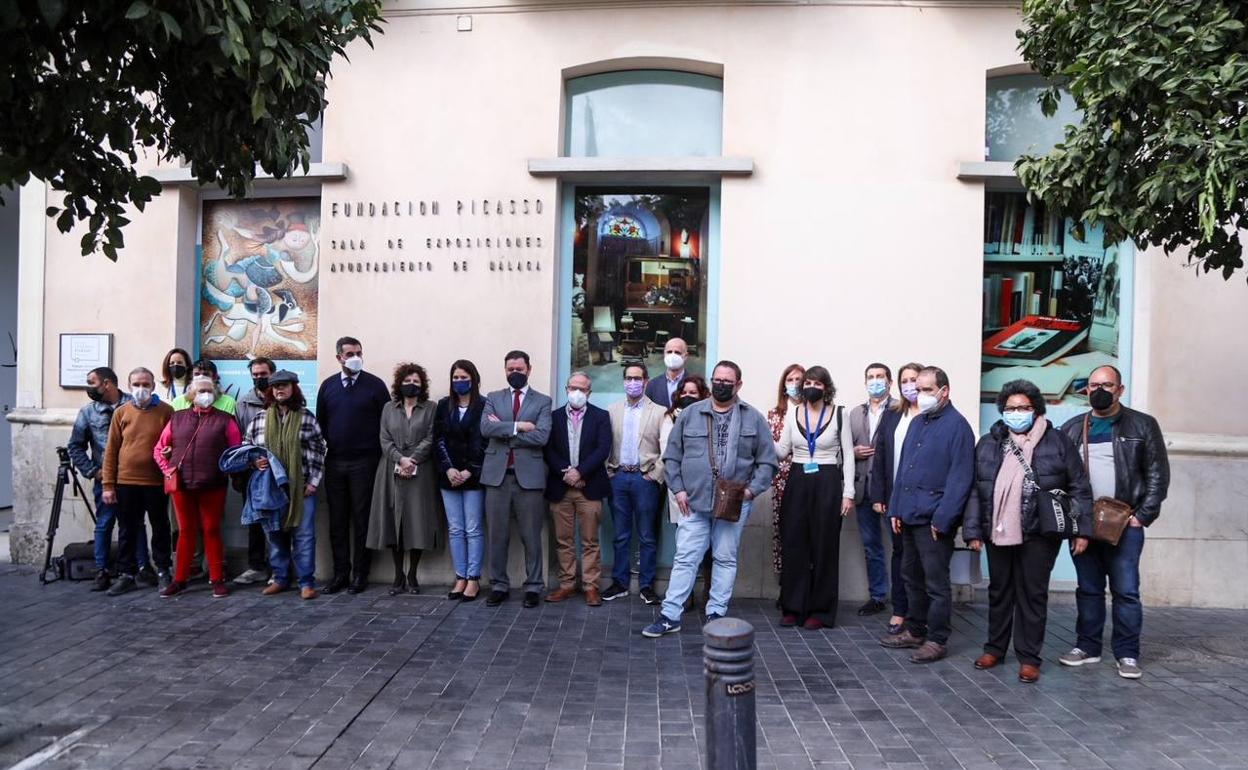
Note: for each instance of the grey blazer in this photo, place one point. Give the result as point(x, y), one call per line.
point(687, 459)
point(860, 427)
point(530, 467)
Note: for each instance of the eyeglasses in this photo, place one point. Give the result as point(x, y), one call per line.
point(724, 382)
point(634, 379)
point(1018, 409)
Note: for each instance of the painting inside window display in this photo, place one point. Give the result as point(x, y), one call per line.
point(639, 269)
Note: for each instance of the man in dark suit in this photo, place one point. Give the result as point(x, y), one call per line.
point(660, 389)
point(576, 483)
point(516, 423)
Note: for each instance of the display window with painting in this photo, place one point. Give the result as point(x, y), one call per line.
point(639, 279)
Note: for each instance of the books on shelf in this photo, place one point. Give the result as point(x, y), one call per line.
point(1015, 229)
point(1010, 295)
point(1033, 340)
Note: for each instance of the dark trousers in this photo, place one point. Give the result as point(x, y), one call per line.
point(257, 548)
point(133, 503)
point(928, 591)
point(1120, 565)
point(810, 543)
point(1018, 596)
point(529, 508)
point(349, 489)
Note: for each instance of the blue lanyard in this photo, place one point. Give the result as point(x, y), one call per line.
point(811, 435)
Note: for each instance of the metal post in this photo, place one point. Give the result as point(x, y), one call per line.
point(728, 654)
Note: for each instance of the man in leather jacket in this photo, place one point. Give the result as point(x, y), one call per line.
point(1126, 457)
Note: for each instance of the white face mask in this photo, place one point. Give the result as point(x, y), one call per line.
point(928, 402)
point(354, 364)
point(577, 399)
point(673, 360)
point(204, 400)
point(142, 395)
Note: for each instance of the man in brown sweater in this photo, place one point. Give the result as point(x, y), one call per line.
point(132, 480)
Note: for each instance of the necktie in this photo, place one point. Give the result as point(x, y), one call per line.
point(515, 414)
point(350, 381)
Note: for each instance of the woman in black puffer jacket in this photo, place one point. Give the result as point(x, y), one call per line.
point(1003, 514)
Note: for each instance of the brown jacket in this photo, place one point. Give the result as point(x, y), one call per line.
point(132, 436)
point(651, 420)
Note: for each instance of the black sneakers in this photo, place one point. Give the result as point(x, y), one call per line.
point(614, 592)
point(124, 584)
point(102, 581)
point(649, 596)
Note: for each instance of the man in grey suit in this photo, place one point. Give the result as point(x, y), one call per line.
point(516, 422)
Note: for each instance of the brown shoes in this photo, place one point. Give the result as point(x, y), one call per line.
point(308, 592)
point(561, 593)
point(903, 641)
point(986, 661)
point(593, 597)
point(272, 589)
point(930, 652)
point(1028, 674)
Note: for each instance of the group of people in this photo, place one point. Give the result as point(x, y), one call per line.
point(394, 462)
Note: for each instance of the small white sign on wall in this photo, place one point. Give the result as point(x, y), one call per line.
point(80, 353)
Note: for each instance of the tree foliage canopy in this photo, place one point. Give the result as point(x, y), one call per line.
point(1162, 153)
point(228, 85)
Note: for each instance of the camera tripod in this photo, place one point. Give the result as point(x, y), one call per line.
point(63, 475)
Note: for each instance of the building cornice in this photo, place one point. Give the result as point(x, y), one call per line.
point(398, 8)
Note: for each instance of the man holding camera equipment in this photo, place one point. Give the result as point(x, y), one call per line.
point(86, 450)
point(133, 482)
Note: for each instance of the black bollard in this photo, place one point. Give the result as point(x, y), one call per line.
point(729, 657)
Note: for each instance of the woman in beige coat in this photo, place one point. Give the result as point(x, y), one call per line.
point(405, 514)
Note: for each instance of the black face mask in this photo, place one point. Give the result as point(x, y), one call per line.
point(94, 394)
point(412, 390)
point(684, 402)
point(177, 371)
point(260, 383)
point(813, 395)
point(1101, 399)
point(517, 380)
point(723, 392)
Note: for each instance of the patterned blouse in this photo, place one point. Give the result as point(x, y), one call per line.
point(775, 418)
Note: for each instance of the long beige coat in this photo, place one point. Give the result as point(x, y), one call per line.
point(404, 509)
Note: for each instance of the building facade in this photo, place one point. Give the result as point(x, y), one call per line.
point(820, 182)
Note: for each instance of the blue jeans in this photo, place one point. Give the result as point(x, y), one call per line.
point(871, 526)
point(1119, 564)
point(105, 518)
point(635, 505)
point(693, 534)
point(299, 544)
point(465, 512)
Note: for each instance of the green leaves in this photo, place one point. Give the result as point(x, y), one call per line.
point(1162, 154)
point(94, 91)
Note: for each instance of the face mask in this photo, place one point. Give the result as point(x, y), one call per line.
point(462, 387)
point(1019, 422)
point(517, 380)
point(928, 402)
point(1101, 399)
point(791, 391)
point(634, 388)
point(812, 394)
point(876, 388)
point(577, 399)
point(177, 371)
point(260, 383)
point(411, 390)
point(94, 394)
point(204, 400)
point(910, 391)
point(723, 392)
point(684, 402)
point(142, 395)
point(354, 365)
point(673, 360)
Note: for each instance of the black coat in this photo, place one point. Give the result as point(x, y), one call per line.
point(458, 443)
point(1055, 462)
point(880, 489)
point(595, 449)
point(1141, 465)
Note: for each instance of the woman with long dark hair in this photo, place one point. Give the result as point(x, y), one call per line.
point(175, 373)
point(788, 395)
point(405, 491)
point(460, 451)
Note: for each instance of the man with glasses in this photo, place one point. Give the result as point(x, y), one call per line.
point(636, 477)
point(1126, 458)
point(737, 436)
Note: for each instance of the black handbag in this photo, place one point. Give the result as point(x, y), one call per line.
point(1055, 509)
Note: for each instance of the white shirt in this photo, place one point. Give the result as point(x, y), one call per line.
point(830, 449)
point(899, 438)
point(874, 413)
point(511, 393)
point(673, 384)
point(630, 442)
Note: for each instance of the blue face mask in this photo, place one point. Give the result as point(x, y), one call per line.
point(1019, 422)
point(792, 391)
point(462, 387)
point(876, 388)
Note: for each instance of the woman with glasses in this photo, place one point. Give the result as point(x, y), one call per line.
point(1022, 458)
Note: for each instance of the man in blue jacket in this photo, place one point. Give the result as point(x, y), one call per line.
point(930, 487)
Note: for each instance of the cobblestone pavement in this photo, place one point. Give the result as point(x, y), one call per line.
point(372, 681)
